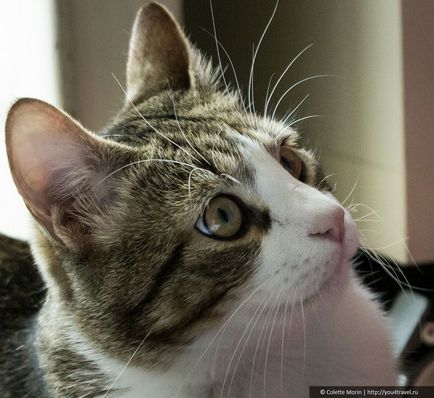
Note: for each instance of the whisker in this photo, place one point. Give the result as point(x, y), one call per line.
point(183, 133)
point(295, 85)
point(322, 298)
point(149, 160)
point(217, 46)
point(334, 187)
point(369, 220)
point(304, 338)
point(362, 205)
point(143, 161)
point(251, 99)
point(391, 271)
point(269, 339)
point(264, 327)
point(325, 178)
point(220, 332)
point(283, 75)
point(127, 363)
point(213, 146)
point(318, 319)
point(395, 271)
point(386, 246)
point(365, 216)
point(229, 177)
point(282, 357)
point(224, 175)
point(234, 72)
point(189, 178)
point(268, 93)
point(149, 124)
point(285, 119)
point(351, 192)
point(373, 282)
point(262, 305)
point(305, 118)
point(413, 261)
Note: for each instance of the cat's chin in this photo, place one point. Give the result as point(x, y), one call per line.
point(333, 284)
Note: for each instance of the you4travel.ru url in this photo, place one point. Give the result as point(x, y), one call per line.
point(370, 391)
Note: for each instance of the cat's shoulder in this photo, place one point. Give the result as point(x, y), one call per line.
point(21, 294)
point(21, 287)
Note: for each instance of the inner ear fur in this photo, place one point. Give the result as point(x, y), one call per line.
point(159, 55)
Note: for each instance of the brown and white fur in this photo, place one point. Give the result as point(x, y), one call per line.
point(139, 302)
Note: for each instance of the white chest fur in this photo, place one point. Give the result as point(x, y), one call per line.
point(342, 341)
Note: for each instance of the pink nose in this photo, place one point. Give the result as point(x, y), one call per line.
point(329, 225)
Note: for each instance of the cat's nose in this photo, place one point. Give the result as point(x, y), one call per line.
point(329, 224)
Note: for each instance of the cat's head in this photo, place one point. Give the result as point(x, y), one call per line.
point(179, 210)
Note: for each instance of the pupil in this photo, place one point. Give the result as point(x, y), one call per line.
point(223, 215)
point(286, 163)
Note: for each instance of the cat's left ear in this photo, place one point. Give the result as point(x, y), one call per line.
point(159, 55)
point(60, 169)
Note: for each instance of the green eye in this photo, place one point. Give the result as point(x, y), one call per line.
point(222, 219)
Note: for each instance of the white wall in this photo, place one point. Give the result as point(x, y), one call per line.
point(28, 68)
point(63, 52)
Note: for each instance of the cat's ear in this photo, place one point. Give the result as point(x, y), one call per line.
point(57, 167)
point(159, 54)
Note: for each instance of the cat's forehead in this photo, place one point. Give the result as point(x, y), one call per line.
point(212, 128)
point(198, 147)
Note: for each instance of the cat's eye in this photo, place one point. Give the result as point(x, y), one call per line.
point(291, 162)
point(222, 218)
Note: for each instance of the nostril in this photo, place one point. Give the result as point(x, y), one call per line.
point(329, 225)
point(334, 234)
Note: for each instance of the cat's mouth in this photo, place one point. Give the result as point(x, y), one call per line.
point(335, 279)
point(339, 268)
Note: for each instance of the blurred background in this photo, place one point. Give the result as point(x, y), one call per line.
point(375, 136)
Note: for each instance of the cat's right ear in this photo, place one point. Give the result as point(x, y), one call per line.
point(59, 168)
point(159, 55)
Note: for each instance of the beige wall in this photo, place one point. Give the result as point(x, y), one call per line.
point(364, 141)
point(93, 39)
point(418, 42)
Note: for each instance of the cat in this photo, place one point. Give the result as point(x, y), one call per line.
point(190, 249)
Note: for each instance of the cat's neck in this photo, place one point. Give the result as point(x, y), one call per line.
point(325, 338)
point(67, 371)
point(74, 366)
